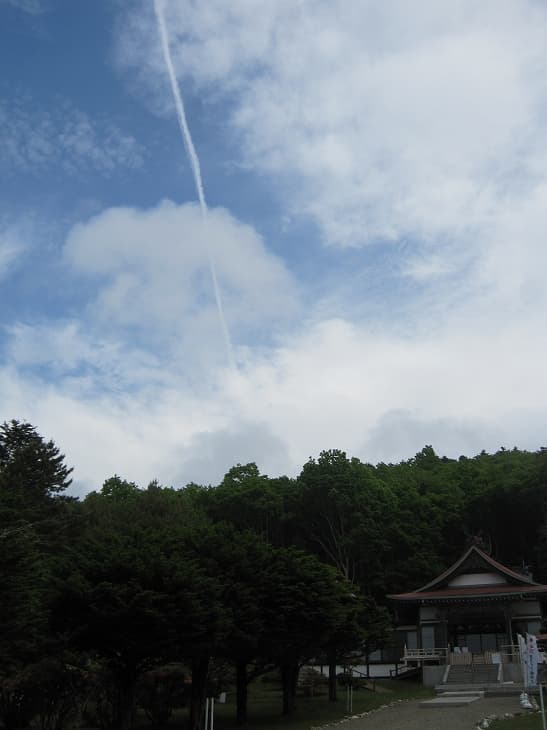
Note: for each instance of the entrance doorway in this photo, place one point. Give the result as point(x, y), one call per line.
point(479, 638)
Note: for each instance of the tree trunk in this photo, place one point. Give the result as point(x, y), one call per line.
point(332, 677)
point(125, 700)
point(200, 667)
point(12, 710)
point(241, 693)
point(289, 678)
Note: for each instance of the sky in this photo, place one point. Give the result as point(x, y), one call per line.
point(375, 177)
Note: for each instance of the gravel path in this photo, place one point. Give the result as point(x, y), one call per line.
point(409, 716)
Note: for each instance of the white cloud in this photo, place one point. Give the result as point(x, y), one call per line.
point(12, 248)
point(515, 257)
point(33, 139)
point(404, 432)
point(424, 268)
point(422, 127)
point(137, 384)
point(339, 385)
point(153, 275)
point(148, 312)
point(33, 7)
point(334, 385)
point(210, 454)
point(81, 357)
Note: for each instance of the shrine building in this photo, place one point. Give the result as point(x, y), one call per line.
point(469, 615)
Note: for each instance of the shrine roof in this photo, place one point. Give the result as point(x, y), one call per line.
point(462, 593)
point(478, 563)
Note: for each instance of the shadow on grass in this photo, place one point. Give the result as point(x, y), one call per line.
point(522, 722)
point(265, 706)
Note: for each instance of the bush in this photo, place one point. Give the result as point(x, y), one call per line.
point(160, 691)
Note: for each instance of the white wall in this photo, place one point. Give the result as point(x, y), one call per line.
point(477, 579)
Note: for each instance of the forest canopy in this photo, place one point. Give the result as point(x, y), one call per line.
point(103, 595)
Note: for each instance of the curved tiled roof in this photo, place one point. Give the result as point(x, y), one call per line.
point(517, 584)
point(472, 592)
point(489, 561)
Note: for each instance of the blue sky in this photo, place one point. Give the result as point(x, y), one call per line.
point(376, 184)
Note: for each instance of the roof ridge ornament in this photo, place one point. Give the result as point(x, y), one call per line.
point(480, 540)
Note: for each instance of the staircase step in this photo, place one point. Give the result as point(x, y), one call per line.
point(472, 674)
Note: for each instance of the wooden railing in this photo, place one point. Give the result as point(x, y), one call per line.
point(510, 653)
point(507, 654)
point(403, 670)
point(425, 655)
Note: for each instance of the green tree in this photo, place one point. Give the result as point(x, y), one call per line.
point(344, 511)
point(304, 604)
point(243, 557)
point(32, 470)
point(140, 592)
point(34, 523)
point(252, 501)
point(509, 509)
point(23, 581)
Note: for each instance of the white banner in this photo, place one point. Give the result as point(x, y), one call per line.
point(533, 658)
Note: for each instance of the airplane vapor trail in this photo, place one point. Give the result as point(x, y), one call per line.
point(196, 170)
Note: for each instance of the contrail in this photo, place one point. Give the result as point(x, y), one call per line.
point(196, 170)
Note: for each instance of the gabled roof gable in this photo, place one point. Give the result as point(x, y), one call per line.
point(476, 561)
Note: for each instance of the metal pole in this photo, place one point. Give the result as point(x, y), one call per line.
point(206, 713)
point(542, 706)
point(212, 712)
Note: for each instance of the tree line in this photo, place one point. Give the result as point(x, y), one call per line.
point(132, 595)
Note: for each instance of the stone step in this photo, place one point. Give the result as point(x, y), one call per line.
point(472, 674)
point(452, 699)
point(494, 689)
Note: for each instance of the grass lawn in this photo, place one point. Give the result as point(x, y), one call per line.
point(522, 722)
point(265, 706)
